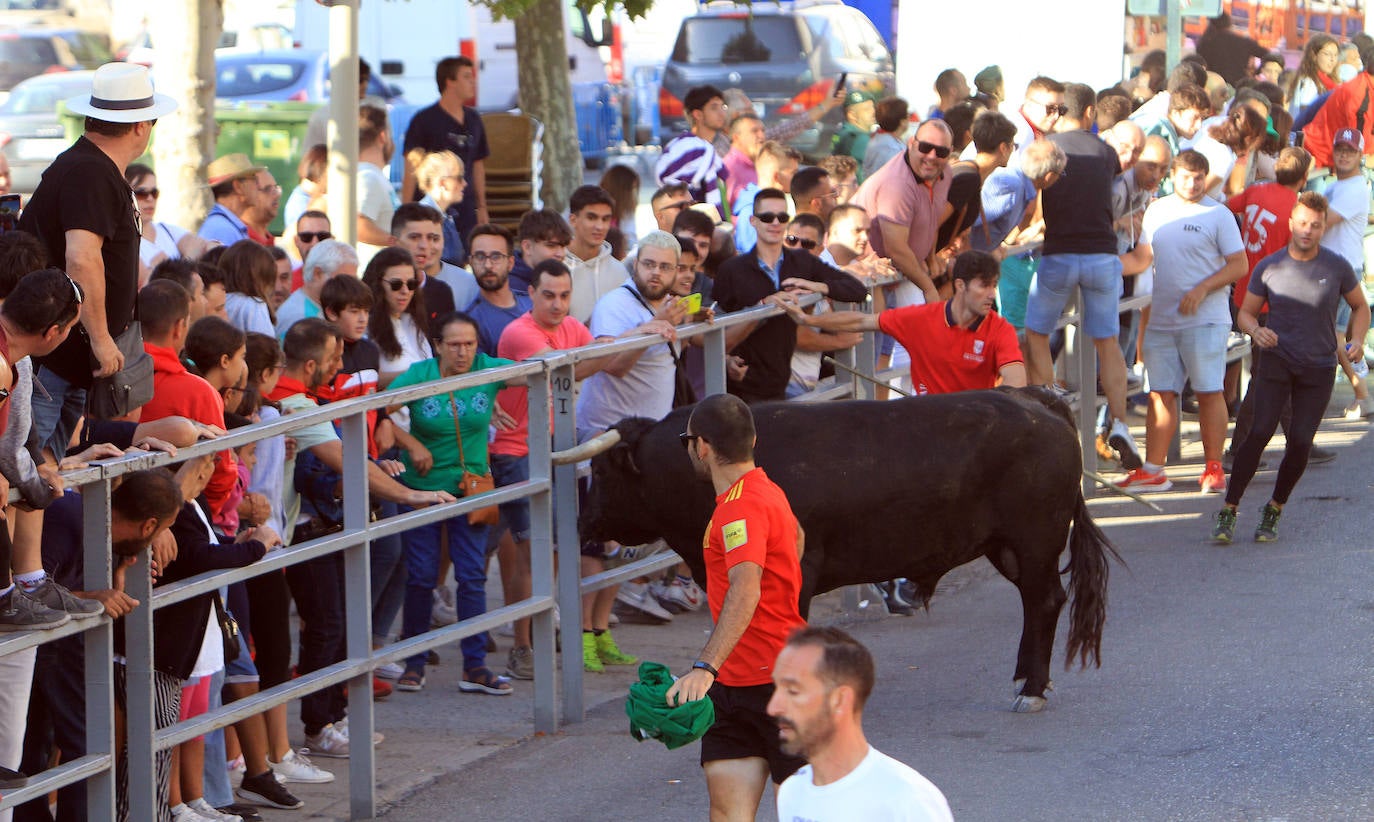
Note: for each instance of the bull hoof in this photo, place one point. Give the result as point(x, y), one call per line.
point(1018, 685)
point(1028, 704)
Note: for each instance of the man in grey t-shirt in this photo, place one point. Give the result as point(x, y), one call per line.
point(1304, 285)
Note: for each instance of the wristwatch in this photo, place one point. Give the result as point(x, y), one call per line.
point(707, 667)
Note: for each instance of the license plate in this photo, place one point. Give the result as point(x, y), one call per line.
point(39, 149)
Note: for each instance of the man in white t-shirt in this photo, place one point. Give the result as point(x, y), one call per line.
point(377, 201)
point(823, 677)
point(1347, 198)
point(1197, 253)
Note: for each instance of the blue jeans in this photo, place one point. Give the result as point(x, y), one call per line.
point(215, 786)
point(388, 578)
point(1098, 276)
point(56, 415)
point(466, 547)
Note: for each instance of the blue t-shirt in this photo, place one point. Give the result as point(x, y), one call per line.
point(492, 320)
point(62, 550)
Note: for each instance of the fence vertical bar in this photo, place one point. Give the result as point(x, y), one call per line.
point(1086, 362)
point(714, 341)
point(99, 650)
point(562, 385)
point(140, 698)
point(866, 358)
point(362, 762)
point(541, 564)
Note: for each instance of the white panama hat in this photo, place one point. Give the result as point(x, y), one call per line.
point(122, 93)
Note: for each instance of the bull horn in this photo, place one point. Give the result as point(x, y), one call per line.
point(588, 449)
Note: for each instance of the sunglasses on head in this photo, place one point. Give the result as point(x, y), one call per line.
point(926, 148)
point(312, 236)
point(408, 285)
point(802, 242)
point(772, 216)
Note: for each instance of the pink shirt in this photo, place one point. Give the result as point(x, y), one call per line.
point(522, 339)
point(742, 173)
point(892, 194)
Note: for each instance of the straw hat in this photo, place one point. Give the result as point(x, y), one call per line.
point(122, 93)
point(230, 167)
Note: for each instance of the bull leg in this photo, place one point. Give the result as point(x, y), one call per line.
point(1042, 597)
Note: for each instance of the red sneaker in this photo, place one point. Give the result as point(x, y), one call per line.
point(1213, 479)
point(1145, 481)
point(381, 689)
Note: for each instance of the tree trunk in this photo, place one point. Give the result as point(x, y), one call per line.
point(546, 95)
point(186, 33)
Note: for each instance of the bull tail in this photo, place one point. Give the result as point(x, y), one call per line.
point(1089, 552)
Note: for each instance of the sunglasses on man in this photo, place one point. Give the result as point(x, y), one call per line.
point(794, 241)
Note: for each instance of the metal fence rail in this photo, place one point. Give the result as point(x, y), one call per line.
point(551, 491)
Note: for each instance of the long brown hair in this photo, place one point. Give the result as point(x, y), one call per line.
point(1308, 67)
point(249, 269)
point(379, 326)
point(1241, 129)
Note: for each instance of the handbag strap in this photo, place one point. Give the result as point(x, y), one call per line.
point(457, 433)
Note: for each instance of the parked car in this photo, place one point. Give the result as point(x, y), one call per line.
point(31, 133)
point(787, 58)
point(27, 52)
point(298, 75)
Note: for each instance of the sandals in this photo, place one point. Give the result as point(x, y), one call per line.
point(412, 680)
point(483, 681)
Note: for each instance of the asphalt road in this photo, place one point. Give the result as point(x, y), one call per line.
point(1235, 686)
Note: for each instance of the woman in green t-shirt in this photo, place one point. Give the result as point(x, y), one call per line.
point(431, 456)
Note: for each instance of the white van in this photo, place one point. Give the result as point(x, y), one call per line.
point(498, 84)
point(403, 42)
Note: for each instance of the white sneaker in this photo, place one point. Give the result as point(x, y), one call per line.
point(636, 595)
point(186, 813)
point(442, 613)
point(236, 767)
point(391, 670)
point(342, 727)
point(296, 767)
point(327, 743)
point(1123, 443)
point(203, 808)
point(677, 597)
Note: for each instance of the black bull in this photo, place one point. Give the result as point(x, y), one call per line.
point(910, 488)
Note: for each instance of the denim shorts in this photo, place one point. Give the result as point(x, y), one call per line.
point(1099, 278)
point(515, 515)
point(1197, 354)
point(242, 669)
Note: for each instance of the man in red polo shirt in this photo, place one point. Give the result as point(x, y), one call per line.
point(753, 572)
point(958, 345)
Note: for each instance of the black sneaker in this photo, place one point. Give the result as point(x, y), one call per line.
point(264, 789)
point(1319, 455)
point(247, 813)
point(21, 612)
point(892, 598)
point(58, 598)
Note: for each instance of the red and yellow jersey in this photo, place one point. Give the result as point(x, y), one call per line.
point(754, 523)
point(946, 357)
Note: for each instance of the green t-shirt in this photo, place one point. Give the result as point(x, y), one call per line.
point(431, 422)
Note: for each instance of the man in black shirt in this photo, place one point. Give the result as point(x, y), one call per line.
point(771, 274)
point(85, 215)
point(1080, 251)
point(1228, 53)
point(448, 125)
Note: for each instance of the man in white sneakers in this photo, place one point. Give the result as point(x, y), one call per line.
point(823, 677)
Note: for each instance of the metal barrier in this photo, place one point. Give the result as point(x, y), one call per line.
point(551, 490)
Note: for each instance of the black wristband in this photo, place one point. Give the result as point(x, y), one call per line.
point(707, 667)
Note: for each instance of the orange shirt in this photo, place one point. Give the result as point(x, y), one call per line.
point(946, 357)
point(754, 523)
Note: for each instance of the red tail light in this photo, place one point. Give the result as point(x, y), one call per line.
point(299, 97)
point(668, 105)
point(812, 96)
point(56, 70)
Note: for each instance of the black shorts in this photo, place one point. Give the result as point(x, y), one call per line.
point(743, 729)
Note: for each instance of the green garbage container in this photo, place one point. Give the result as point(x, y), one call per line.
point(272, 134)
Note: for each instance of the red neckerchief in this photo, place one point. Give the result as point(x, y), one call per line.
point(288, 387)
point(1035, 131)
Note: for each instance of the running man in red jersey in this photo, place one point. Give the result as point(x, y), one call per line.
point(957, 345)
point(753, 553)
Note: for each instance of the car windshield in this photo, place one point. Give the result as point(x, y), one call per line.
point(738, 40)
point(244, 79)
point(42, 97)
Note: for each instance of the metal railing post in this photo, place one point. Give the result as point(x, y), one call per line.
point(714, 341)
point(140, 697)
point(866, 358)
point(1086, 374)
point(99, 650)
point(541, 563)
point(562, 390)
point(362, 761)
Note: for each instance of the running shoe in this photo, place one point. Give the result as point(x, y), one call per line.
point(203, 808)
point(636, 596)
point(295, 767)
point(391, 670)
point(520, 663)
point(58, 598)
point(1225, 528)
point(1268, 528)
point(610, 654)
point(1145, 481)
point(327, 743)
point(21, 612)
point(591, 660)
point(1213, 479)
point(1121, 440)
point(264, 789)
point(678, 597)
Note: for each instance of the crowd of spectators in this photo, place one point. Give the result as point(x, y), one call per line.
point(990, 212)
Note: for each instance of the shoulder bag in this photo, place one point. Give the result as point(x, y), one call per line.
point(473, 484)
point(128, 388)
